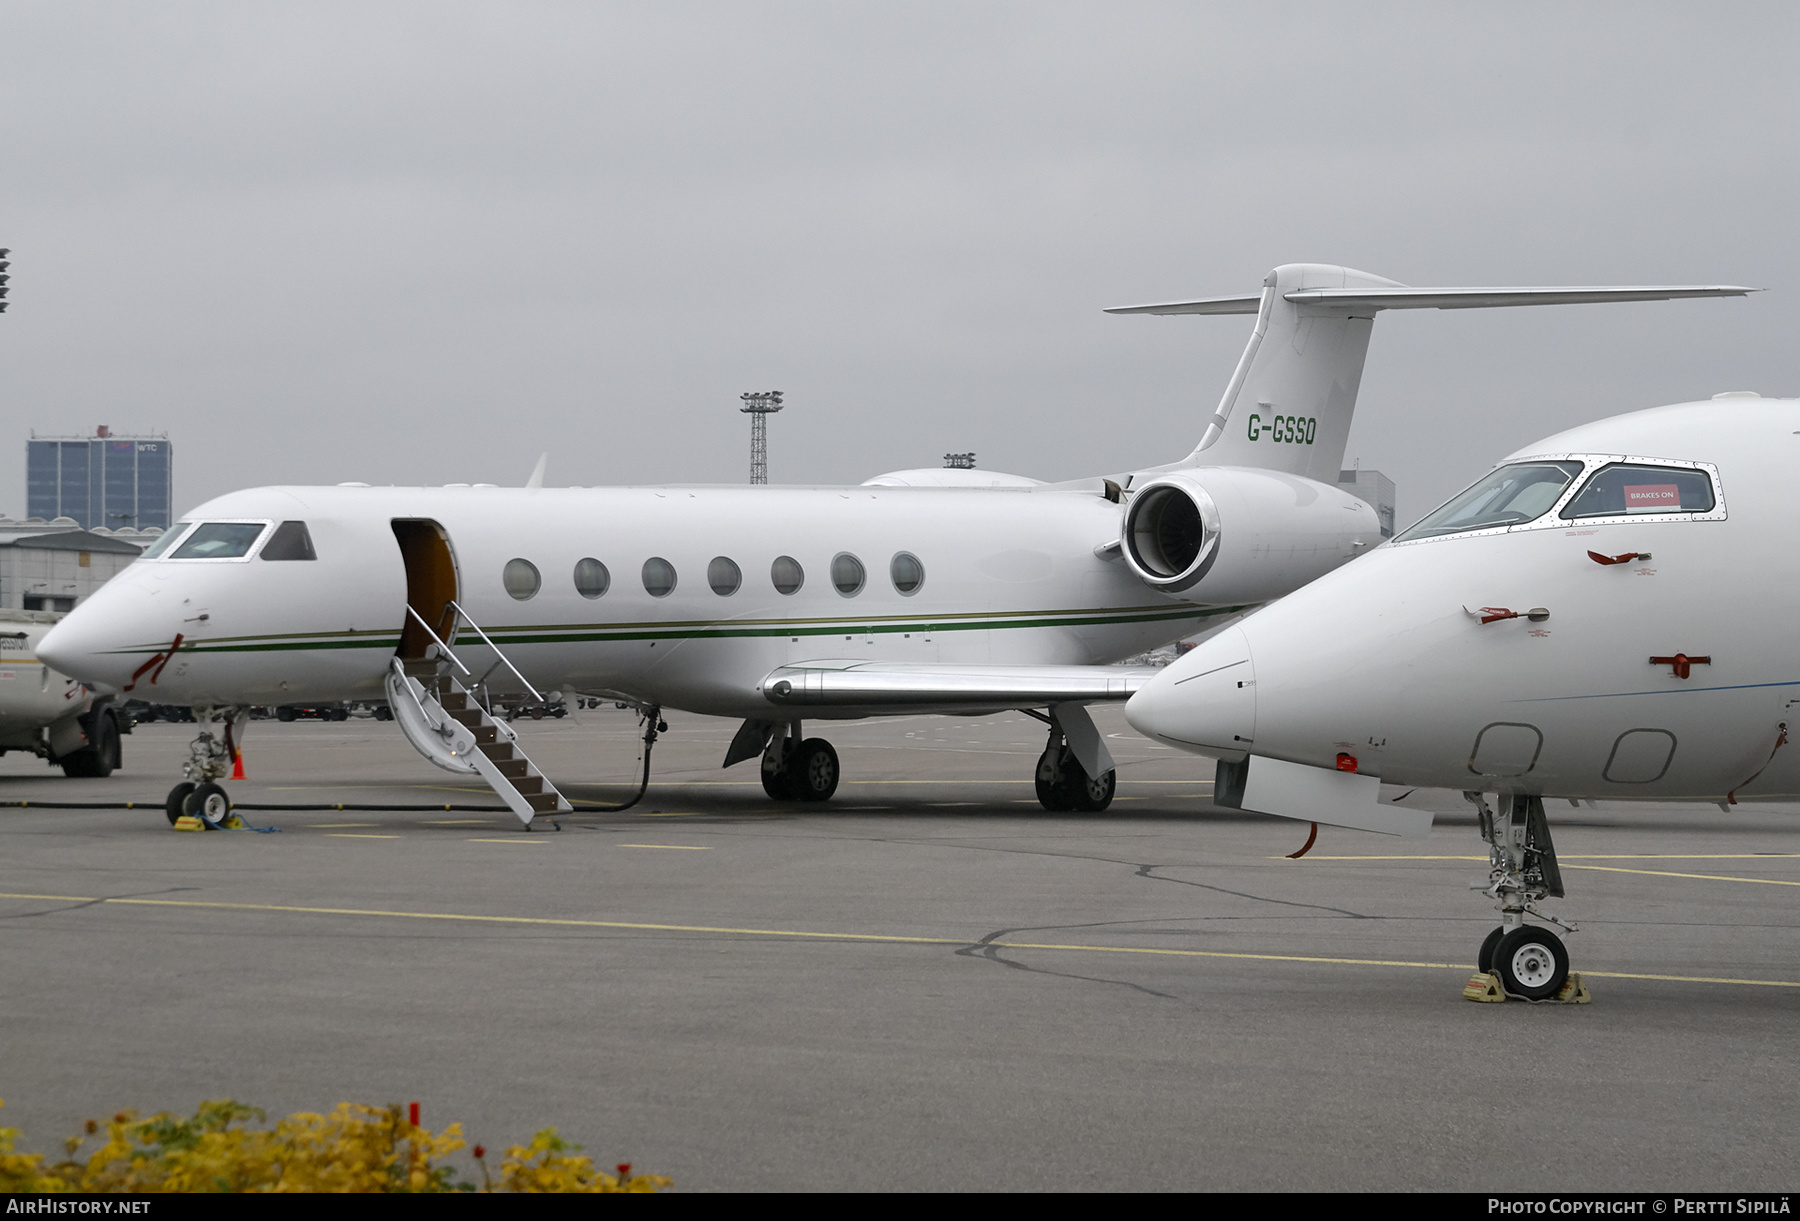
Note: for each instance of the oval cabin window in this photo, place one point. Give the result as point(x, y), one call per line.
point(907, 572)
point(521, 579)
point(847, 574)
point(787, 574)
point(591, 578)
point(723, 575)
point(659, 577)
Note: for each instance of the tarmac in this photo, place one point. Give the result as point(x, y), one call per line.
point(927, 983)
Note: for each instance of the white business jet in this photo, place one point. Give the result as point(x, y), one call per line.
point(921, 591)
point(1598, 617)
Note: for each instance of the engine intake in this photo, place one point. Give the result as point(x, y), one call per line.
point(1171, 534)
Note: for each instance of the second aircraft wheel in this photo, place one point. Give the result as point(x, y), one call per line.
point(174, 806)
point(1052, 794)
point(775, 784)
point(1532, 963)
point(1484, 961)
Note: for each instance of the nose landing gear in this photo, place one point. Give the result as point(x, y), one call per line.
point(1528, 961)
point(209, 760)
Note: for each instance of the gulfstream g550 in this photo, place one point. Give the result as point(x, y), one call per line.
point(919, 591)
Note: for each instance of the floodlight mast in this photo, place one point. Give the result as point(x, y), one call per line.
point(759, 407)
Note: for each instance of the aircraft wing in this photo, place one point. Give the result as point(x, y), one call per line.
point(889, 685)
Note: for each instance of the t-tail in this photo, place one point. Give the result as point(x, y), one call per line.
point(1289, 402)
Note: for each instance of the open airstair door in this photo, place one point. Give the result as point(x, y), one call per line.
point(431, 584)
point(440, 716)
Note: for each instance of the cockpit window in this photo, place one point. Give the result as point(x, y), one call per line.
point(291, 541)
point(166, 541)
point(1623, 489)
point(1509, 496)
point(220, 540)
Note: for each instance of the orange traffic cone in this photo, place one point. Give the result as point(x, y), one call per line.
point(237, 766)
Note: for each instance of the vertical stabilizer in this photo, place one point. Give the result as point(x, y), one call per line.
point(1289, 402)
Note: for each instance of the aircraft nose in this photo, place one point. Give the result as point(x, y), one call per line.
point(90, 644)
point(1205, 700)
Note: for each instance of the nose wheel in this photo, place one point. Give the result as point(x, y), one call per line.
point(1531, 962)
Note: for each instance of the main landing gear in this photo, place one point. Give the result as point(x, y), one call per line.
point(209, 761)
point(1530, 961)
point(798, 769)
point(1063, 784)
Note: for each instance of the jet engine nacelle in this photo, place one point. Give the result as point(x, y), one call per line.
point(1238, 535)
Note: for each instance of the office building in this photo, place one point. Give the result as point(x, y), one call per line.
point(101, 482)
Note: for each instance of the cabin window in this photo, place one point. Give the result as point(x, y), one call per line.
point(659, 577)
point(166, 541)
point(1509, 496)
point(723, 575)
point(291, 541)
point(220, 540)
point(787, 574)
point(847, 574)
point(591, 578)
point(521, 579)
point(1625, 490)
point(907, 572)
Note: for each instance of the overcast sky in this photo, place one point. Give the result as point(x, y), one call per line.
point(424, 243)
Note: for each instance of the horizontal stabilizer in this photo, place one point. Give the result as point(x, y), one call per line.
point(1492, 298)
point(891, 684)
point(1211, 305)
point(1443, 298)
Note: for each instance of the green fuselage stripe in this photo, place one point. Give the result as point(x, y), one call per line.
point(698, 630)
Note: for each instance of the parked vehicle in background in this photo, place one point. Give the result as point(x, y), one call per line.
point(49, 714)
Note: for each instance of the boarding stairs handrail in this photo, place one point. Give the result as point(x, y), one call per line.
point(466, 618)
point(446, 650)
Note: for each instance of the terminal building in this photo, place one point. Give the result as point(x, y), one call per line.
point(102, 482)
point(52, 566)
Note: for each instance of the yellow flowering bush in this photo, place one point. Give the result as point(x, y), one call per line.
point(355, 1148)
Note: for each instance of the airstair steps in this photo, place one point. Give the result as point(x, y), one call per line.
point(451, 729)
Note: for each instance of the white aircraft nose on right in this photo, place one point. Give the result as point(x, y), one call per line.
point(1205, 701)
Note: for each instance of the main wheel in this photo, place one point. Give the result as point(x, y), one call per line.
point(779, 784)
point(209, 802)
point(1532, 963)
point(1484, 961)
point(1052, 793)
point(174, 807)
point(814, 770)
point(1092, 793)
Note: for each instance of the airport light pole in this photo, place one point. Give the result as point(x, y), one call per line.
point(759, 407)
